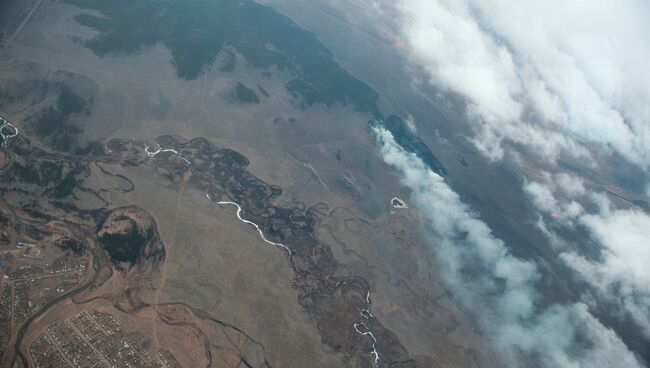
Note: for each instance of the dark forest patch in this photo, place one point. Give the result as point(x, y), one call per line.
point(243, 94)
point(129, 235)
point(124, 246)
point(53, 124)
point(73, 245)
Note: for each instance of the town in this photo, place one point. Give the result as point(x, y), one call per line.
point(95, 339)
point(26, 288)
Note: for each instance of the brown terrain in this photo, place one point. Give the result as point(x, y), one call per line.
point(163, 224)
point(4, 159)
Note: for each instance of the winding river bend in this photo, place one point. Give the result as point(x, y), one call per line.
point(239, 216)
point(4, 127)
point(365, 313)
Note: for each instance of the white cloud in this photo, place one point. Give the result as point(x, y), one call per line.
point(458, 53)
point(555, 196)
point(542, 197)
point(570, 185)
point(621, 274)
point(560, 79)
point(498, 286)
point(410, 124)
point(548, 74)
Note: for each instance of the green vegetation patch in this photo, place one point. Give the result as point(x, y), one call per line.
point(196, 31)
